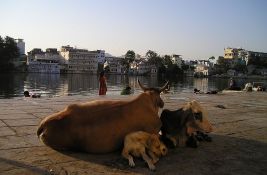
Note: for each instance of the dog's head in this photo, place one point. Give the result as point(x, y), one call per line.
point(156, 146)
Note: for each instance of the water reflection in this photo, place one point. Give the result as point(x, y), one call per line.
point(13, 85)
point(42, 83)
point(81, 83)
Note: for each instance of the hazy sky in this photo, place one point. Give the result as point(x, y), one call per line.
point(196, 29)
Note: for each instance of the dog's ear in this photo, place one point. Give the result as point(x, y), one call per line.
point(152, 139)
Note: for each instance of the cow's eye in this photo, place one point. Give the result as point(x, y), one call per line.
point(198, 116)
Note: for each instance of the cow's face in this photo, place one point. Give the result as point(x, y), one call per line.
point(155, 94)
point(156, 146)
point(199, 120)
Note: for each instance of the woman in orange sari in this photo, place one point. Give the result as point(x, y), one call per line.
point(102, 84)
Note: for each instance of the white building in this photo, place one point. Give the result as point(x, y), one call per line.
point(80, 60)
point(142, 66)
point(101, 56)
point(176, 59)
point(205, 62)
point(203, 68)
point(21, 46)
point(20, 61)
point(114, 65)
point(44, 62)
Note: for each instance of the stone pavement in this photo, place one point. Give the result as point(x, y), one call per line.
point(239, 143)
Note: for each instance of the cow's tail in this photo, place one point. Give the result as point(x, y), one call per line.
point(40, 130)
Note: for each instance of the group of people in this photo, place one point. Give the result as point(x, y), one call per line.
point(103, 86)
point(233, 85)
point(197, 91)
point(28, 94)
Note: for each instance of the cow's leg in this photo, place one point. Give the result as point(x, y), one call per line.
point(182, 141)
point(148, 160)
point(125, 154)
point(155, 159)
point(172, 139)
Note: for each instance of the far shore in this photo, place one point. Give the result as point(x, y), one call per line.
point(256, 77)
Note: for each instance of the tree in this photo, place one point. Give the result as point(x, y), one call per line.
point(174, 70)
point(212, 58)
point(154, 58)
point(151, 54)
point(240, 67)
point(223, 64)
point(129, 58)
point(184, 66)
point(167, 60)
point(8, 51)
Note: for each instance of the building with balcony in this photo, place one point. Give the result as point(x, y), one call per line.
point(231, 53)
point(44, 62)
point(141, 66)
point(80, 60)
point(176, 59)
point(203, 68)
point(113, 65)
point(239, 55)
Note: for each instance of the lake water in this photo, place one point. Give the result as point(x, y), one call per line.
point(13, 85)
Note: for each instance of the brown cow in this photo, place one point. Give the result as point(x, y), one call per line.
point(100, 126)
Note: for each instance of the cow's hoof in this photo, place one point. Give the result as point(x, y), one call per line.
point(167, 142)
point(207, 138)
point(199, 138)
point(203, 137)
point(192, 142)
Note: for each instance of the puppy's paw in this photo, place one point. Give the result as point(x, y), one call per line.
point(131, 163)
point(155, 160)
point(152, 167)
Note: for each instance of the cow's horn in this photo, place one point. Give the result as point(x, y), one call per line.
point(142, 87)
point(164, 87)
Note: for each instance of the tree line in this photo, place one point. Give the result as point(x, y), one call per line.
point(8, 51)
point(164, 63)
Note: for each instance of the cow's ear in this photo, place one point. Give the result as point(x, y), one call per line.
point(141, 86)
point(164, 86)
point(159, 102)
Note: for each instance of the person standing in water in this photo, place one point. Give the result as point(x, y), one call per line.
point(126, 91)
point(102, 84)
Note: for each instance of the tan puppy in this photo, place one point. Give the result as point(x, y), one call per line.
point(140, 143)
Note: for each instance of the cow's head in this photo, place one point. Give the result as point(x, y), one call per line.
point(199, 119)
point(155, 93)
